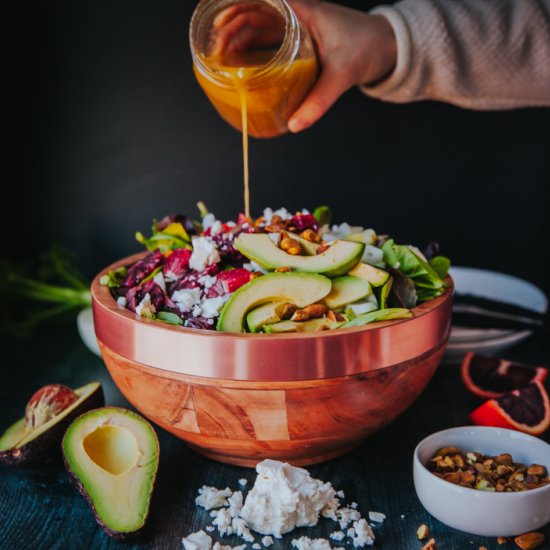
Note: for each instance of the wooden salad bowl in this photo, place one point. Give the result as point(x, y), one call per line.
point(240, 398)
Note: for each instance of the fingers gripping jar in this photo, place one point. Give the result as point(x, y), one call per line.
point(254, 60)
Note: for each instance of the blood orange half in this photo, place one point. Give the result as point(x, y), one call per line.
point(490, 377)
point(526, 410)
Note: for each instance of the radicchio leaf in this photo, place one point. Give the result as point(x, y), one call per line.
point(142, 268)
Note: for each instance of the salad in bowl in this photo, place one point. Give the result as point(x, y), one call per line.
point(278, 273)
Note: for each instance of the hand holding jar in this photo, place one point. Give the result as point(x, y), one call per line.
point(252, 57)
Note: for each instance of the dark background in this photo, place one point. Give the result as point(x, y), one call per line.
point(111, 130)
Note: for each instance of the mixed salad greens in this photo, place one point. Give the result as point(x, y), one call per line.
point(281, 272)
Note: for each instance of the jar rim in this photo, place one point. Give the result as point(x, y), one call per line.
point(285, 55)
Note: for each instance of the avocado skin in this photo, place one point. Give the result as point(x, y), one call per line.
point(116, 535)
point(47, 445)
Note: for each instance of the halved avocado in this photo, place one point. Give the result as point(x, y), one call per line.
point(112, 455)
point(20, 445)
point(300, 289)
point(346, 290)
point(312, 325)
point(375, 276)
point(264, 315)
point(338, 259)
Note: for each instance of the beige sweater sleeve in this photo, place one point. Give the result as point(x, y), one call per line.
point(478, 54)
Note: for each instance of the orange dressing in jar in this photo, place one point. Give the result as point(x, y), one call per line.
point(255, 63)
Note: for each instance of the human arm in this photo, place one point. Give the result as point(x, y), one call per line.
point(477, 54)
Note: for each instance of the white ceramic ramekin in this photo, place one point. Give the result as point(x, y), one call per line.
point(479, 512)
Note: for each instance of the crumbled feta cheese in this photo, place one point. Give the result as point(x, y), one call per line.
point(354, 505)
point(374, 256)
point(256, 546)
point(216, 227)
point(197, 541)
point(186, 298)
point(222, 520)
point(121, 301)
point(197, 311)
point(205, 253)
point(253, 266)
point(211, 306)
point(330, 508)
point(240, 528)
point(305, 543)
point(284, 497)
point(210, 528)
point(337, 535)
point(350, 532)
point(235, 502)
point(402, 516)
point(269, 213)
point(363, 534)
point(340, 231)
point(346, 515)
point(208, 221)
point(218, 546)
point(210, 497)
point(267, 541)
point(146, 308)
point(159, 279)
point(340, 494)
point(207, 281)
point(243, 482)
point(377, 517)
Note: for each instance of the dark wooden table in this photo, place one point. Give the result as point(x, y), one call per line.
point(40, 509)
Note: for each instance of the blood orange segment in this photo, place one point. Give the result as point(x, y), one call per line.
point(526, 410)
point(491, 377)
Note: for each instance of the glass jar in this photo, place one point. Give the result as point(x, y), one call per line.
point(252, 57)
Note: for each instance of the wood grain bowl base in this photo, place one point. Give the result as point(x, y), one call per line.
point(239, 398)
point(312, 421)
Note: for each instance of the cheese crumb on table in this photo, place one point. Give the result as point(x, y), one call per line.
point(243, 482)
point(283, 498)
point(363, 534)
point(347, 515)
point(267, 541)
point(305, 543)
point(197, 541)
point(210, 497)
point(377, 517)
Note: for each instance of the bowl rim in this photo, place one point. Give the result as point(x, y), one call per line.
point(476, 493)
point(269, 357)
point(101, 295)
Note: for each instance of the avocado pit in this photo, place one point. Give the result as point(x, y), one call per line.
point(47, 403)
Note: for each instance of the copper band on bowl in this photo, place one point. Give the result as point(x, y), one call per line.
point(267, 357)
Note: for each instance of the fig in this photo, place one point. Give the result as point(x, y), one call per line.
point(36, 436)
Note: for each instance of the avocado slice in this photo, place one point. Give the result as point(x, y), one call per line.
point(374, 275)
point(384, 293)
point(368, 236)
point(308, 248)
point(264, 315)
point(379, 315)
point(300, 289)
point(312, 325)
point(112, 455)
point(338, 259)
point(346, 290)
point(21, 445)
